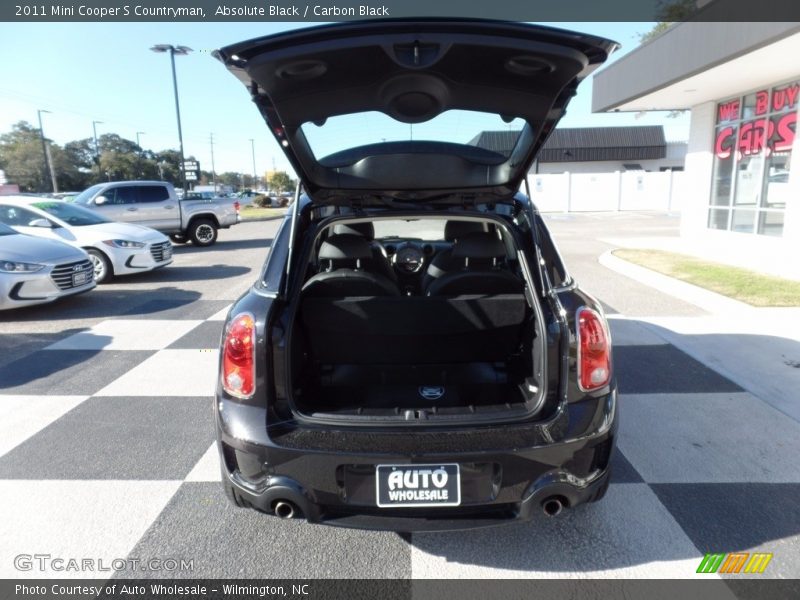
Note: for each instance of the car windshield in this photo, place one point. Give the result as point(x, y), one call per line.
point(71, 214)
point(421, 229)
point(6, 230)
point(468, 128)
point(85, 195)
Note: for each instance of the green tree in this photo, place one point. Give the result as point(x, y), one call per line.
point(280, 181)
point(668, 13)
point(230, 178)
point(22, 159)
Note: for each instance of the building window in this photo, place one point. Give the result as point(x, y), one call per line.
point(753, 151)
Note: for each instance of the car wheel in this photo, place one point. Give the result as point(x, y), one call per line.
point(203, 232)
point(178, 238)
point(103, 271)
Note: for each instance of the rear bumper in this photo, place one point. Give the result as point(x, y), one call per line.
point(499, 485)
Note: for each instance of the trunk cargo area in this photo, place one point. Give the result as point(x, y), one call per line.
point(386, 356)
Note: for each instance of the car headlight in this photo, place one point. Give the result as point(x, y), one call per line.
point(8, 266)
point(123, 244)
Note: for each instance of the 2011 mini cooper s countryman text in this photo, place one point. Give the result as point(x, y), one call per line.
point(414, 354)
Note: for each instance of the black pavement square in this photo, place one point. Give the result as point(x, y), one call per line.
point(206, 335)
point(199, 521)
point(734, 517)
point(665, 370)
point(68, 372)
point(623, 471)
point(117, 438)
point(177, 308)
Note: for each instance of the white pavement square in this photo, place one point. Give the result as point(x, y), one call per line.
point(708, 438)
point(220, 316)
point(127, 334)
point(76, 519)
point(23, 416)
point(169, 373)
point(207, 468)
point(629, 534)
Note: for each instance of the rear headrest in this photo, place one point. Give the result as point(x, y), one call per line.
point(363, 229)
point(479, 244)
point(345, 246)
point(454, 230)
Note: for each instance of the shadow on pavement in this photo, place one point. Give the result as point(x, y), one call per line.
point(223, 245)
point(101, 303)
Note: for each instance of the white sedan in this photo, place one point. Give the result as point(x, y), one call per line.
point(114, 248)
point(35, 271)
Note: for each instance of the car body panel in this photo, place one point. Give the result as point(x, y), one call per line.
point(60, 262)
point(124, 261)
point(169, 214)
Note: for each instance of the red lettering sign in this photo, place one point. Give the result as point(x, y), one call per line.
point(753, 136)
point(724, 144)
point(785, 97)
point(762, 102)
point(728, 111)
point(786, 129)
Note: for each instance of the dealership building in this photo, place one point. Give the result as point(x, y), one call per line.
point(741, 82)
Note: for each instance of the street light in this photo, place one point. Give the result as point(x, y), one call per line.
point(96, 147)
point(139, 154)
point(255, 178)
point(44, 147)
point(180, 51)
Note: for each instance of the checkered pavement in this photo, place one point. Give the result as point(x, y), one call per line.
point(106, 451)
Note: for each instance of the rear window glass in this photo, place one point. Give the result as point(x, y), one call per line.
point(469, 128)
point(153, 193)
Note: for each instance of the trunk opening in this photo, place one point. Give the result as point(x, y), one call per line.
point(424, 359)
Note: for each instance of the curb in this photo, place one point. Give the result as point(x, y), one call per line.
point(700, 297)
point(260, 219)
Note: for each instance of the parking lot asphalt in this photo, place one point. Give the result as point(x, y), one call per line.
point(106, 445)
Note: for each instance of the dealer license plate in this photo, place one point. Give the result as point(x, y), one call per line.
point(80, 278)
point(418, 485)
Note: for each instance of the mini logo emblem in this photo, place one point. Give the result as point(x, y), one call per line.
point(431, 392)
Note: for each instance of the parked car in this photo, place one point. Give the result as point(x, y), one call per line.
point(35, 271)
point(113, 248)
point(414, 354)
point(156, 205)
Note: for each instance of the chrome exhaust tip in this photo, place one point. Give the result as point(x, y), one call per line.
point(284, 510)
point(552, 506)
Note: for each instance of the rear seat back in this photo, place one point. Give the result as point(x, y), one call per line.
point(414, 329)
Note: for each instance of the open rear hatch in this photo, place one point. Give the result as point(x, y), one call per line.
point(352, 104)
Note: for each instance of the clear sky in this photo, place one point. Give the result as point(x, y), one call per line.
point(84, 72)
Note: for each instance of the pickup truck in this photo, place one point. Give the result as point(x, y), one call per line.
point(156, 205)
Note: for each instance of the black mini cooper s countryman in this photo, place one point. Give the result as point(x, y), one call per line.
point(414, 354)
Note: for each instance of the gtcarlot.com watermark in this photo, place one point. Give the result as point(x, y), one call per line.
point(47, 563)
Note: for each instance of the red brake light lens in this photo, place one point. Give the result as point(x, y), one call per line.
point(238, 357)
point(236, 205)
point(594, 350)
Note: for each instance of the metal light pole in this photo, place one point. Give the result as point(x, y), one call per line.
point(213, 168)
point(255, 178)
point(139, 158)
point(180, 51)
point(44, 147)
point(96, 147)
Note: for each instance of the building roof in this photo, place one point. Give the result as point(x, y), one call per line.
point(697, 62)
point(583, 144)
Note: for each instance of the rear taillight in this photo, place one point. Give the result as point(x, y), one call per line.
point(594, 350)
point(236, 206)
point(238, 357)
